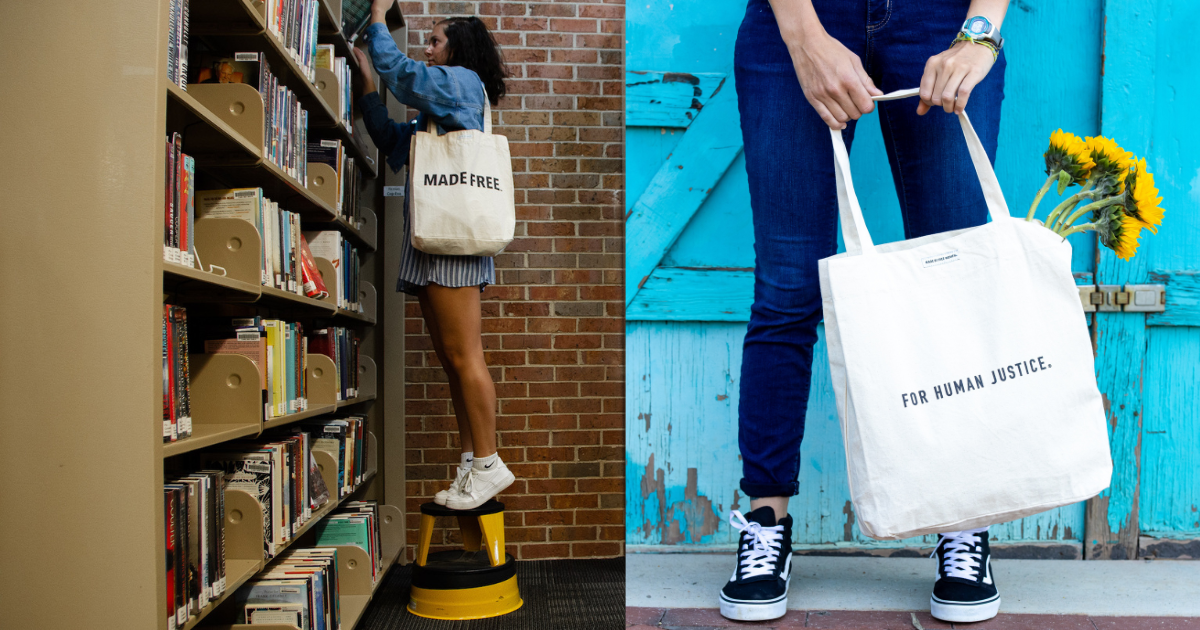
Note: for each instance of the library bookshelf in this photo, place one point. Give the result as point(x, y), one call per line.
point(83, 126)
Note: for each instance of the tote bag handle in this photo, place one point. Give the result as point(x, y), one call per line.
point(487, 114)
point(854, 229)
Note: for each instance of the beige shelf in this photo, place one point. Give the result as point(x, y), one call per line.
point(279, 296)
point(354, 401)
point(207, 435)
point(312, 411)
point(199, 285)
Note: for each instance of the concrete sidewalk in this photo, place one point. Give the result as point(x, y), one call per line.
point(1028, 587)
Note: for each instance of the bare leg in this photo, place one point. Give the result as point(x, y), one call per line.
point(458, 321)
point(466, 445)
point(779, 504)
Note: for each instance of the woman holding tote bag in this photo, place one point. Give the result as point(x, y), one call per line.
point(464, 75)
point(804, 67)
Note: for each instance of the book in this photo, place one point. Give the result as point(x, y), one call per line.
point(252, 473)
point(177, 421)
point(291, 595)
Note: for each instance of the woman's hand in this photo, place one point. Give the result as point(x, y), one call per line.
point(364, 68)
point(950, 76)
point(379, 9)
point(832, 78)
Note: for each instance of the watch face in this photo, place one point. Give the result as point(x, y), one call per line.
point(978, 25)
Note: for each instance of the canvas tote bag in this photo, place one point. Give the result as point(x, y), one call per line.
point(462, 190)
point(962, 368)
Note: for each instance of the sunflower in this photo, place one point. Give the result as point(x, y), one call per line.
point(1141, 199)
point(1117, 230)
point(1068, 153)
point(1111, 165)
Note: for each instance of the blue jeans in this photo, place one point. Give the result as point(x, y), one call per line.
point(789, 161)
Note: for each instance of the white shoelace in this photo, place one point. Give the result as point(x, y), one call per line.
point(961, 559)
point(759, 555)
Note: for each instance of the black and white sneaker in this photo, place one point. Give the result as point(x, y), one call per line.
point(964, 590)
point(758, 589)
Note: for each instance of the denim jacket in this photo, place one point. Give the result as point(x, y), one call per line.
point(452, 96)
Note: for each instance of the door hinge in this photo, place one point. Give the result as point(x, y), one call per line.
point(1133, 298)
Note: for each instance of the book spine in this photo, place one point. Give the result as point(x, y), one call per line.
point(219, 490)
point(184, 227)
point(177, 140)
point(183, 45)
point(172, 45)
point(166, 378)
point(181, 603)
point(168, 205)
point(190, 170)
point(185, 379)
point(170, 389)
point(171, 536)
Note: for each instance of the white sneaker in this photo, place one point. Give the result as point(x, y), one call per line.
point(460, 476)
point(480, 486)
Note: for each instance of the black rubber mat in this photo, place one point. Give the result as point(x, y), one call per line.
point(558, 595)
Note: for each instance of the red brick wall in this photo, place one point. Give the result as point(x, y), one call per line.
point(553, 326)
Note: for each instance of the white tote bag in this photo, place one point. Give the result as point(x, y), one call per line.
point(962, 367)
point(462, 190)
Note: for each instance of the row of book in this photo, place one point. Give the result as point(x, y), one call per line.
point(285, 123)
point(280, 472)
point(340, 344)
point(294, 24)
point(302, 588)
point(177, 43)
point(338, 66)
point(285, 260)
point(281, 354)
point(195, 537)
point(179, 239)
point(279, 349)
point(336, 248)
point(177, 404)
point(333, 153)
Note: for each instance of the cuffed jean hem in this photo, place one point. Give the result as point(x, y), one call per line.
point(756, 490)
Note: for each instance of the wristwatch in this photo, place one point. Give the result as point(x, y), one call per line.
point(981, 29)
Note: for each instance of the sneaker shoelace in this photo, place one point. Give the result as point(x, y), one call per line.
point(962, 554)
point(460, 478)
point(760, 550)
point(466, 488)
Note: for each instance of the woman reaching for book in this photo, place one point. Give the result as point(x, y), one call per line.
point(463, 68)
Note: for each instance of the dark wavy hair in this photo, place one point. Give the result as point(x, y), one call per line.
point(470, 44)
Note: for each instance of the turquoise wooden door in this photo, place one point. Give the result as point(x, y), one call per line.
point(690, 261)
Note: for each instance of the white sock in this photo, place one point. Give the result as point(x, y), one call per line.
point(464, 460)
point(485, 463)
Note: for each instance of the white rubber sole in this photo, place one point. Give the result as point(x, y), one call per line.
point(755, 611)
point(964, 613)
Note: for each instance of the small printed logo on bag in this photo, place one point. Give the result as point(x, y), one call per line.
point(457, 179)
point(972, 383)
point(941, 259)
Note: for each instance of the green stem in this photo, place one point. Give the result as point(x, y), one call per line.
point(1078, 229)
point(1087, 188)
point(1041, 193)
point(1065, 206)
point(1103, 203)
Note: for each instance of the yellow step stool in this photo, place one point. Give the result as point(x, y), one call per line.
point(476, 582)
